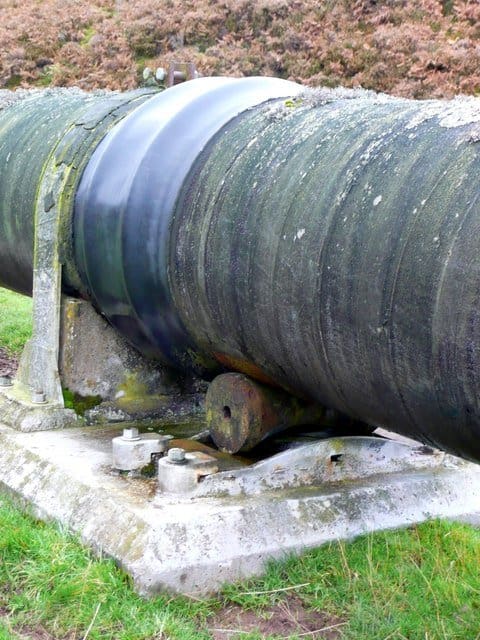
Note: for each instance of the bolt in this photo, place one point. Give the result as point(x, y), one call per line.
point(5, 381)
point(179, 76)
point(176, 455)
point(38, 397)
point(131, 434)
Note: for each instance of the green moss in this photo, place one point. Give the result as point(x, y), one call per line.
point(133, 388)
point(293, 103)
point(201, 42)
point(80, 404)
point(231, 23)
point(316, 66)
point(448, 7)
point(142, 62)
point(88, 34)
point(13, 82)
point(46, 77)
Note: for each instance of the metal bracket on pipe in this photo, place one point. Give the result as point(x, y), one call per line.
point(181, 72)
point(35, 400)
point(39, 369)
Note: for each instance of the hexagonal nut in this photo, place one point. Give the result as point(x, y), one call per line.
point(38, 397)
point(176, 455)
point(130, 433)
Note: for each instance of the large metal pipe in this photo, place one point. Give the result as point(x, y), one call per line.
point(328, 242)
point(34, 125)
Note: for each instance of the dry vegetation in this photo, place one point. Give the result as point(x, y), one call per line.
point(417, 48)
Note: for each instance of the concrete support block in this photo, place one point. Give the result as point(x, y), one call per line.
point(181, 474)
point(132, 451)
point(18, 411)
point(95, 360)
point(193, 544)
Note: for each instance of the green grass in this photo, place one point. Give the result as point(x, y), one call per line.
point(15, 321)
point(421, 583)
point(48, 579)
point(88, 34)
point(79, 403)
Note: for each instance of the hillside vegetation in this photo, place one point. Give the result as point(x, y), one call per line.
point(418, 48)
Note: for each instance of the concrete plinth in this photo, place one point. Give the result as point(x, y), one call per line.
point(195, 542)
point(91, 360)
point(95, 360)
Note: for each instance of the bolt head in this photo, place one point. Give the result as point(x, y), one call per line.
point(176, 455)
point(131, 434)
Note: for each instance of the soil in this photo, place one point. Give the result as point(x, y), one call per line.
point(36, 633)
point(8, 363)
point(27, 632)
point(282, 620)
point(414, 48)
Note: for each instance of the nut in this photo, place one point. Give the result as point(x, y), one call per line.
point(39, 397)
point(5, 381)
point(131, 434)
point(160, 74)
point(176, 455)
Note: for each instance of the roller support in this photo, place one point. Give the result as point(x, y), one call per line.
point(240, 412)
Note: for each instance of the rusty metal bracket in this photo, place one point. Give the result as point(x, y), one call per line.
point(181, 72)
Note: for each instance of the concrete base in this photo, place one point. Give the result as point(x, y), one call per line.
point(18, 411)
point(195, 543)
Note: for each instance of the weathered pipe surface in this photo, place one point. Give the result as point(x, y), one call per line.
point(34, 126)
point(328, 243)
